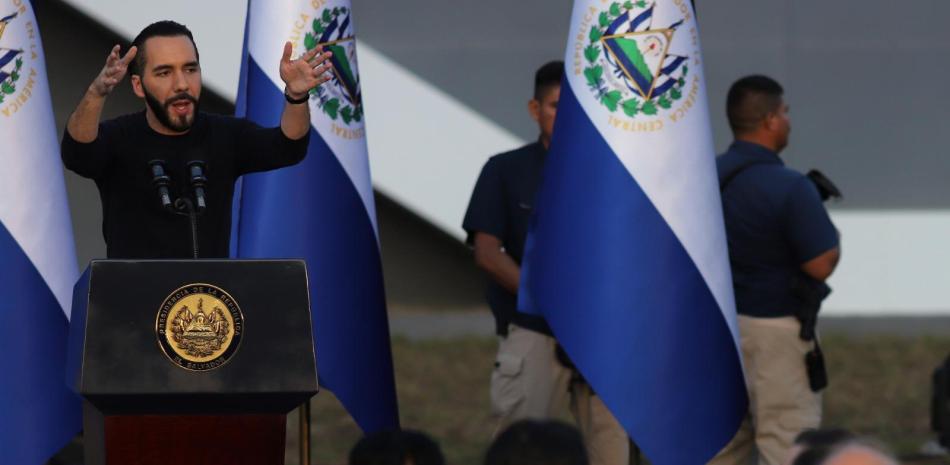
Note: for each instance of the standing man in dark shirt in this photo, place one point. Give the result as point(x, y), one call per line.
point(116, 154)
point(777, 229)
point(528, 380)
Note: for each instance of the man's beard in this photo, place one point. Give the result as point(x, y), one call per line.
point(163, 111)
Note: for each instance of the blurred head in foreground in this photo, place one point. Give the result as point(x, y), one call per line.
point(406, 447)
point(817, 442)
point(535, 442)
point(837, 447)
point(860, 453)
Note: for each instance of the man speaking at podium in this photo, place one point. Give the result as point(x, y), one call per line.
point(166, 174)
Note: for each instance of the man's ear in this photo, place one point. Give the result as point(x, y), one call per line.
point(136, 81)
point(768, 123)
point(534, 109)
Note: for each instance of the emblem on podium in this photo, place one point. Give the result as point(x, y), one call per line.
point(199, 327)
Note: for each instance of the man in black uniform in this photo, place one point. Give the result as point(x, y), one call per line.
point(116, 154)
point(528, 380)
point(778, 232)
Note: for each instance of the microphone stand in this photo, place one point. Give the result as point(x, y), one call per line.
point(198, 180)
point(182, 205)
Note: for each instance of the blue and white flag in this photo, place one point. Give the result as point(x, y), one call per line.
point(626, 255)
point(323, 208)
point(38, 412)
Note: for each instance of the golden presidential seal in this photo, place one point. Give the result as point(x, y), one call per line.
point(199, 327)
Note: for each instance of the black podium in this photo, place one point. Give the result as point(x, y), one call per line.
point(190, 361)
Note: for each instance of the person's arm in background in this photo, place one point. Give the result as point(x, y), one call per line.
point(823, 265)
point(809, 230)
point(491, 258)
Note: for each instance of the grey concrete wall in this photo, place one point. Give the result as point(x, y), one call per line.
point(864, 78)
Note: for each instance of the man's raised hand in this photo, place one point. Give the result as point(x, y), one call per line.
point(113, 71)
point(306, 72)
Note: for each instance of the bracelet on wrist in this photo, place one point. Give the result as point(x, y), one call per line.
point(296, 101)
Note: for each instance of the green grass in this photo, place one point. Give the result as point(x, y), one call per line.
point(443, 390)
point(879, 385)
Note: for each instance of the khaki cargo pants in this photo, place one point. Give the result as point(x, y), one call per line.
point(781, 403)
point(529, 382)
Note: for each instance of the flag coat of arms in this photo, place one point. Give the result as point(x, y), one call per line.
point(626, 254)
point(37, 256)
point(322, 209)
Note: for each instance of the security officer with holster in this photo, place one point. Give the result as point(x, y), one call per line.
point(782, 247)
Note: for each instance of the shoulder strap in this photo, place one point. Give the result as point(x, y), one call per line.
point(735, 172)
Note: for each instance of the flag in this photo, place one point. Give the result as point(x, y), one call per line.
point(626, 254)
point(323, 208)
point(37, 256)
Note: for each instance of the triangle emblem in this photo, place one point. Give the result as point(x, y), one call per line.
point(640, 55)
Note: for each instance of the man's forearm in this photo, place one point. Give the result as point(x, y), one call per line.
point(502, 269)
point(83, 124)
point(295, 120)
point(822, 266)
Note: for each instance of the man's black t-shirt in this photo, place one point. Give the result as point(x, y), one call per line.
point(775, 222)
point(134, 224)
point(501, 205)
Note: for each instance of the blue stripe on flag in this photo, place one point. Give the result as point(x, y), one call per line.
point(669, 82)
point(344, 26)
point(240, 109)
point(641, 18)
point(627, 302)
point(8, 56)
point(673, 65)
point(663, 88)
point(312, 210)
point(331, 28)
point(39, 413)
point(620, 21)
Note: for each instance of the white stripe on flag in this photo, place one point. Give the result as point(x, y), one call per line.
point(33, 204)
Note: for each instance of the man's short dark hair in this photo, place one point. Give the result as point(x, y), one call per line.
point(396, 448)
point(547, 76)
point(534, 442)
point(750, 100)
point(158, 29)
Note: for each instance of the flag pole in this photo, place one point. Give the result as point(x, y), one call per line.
point(303, 423)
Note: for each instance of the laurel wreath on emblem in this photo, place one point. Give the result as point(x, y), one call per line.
point(8, 86)
point(594, 71)
point(334, 107)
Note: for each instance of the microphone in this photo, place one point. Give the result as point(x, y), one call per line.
point(160, 180)
point(198, 181)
